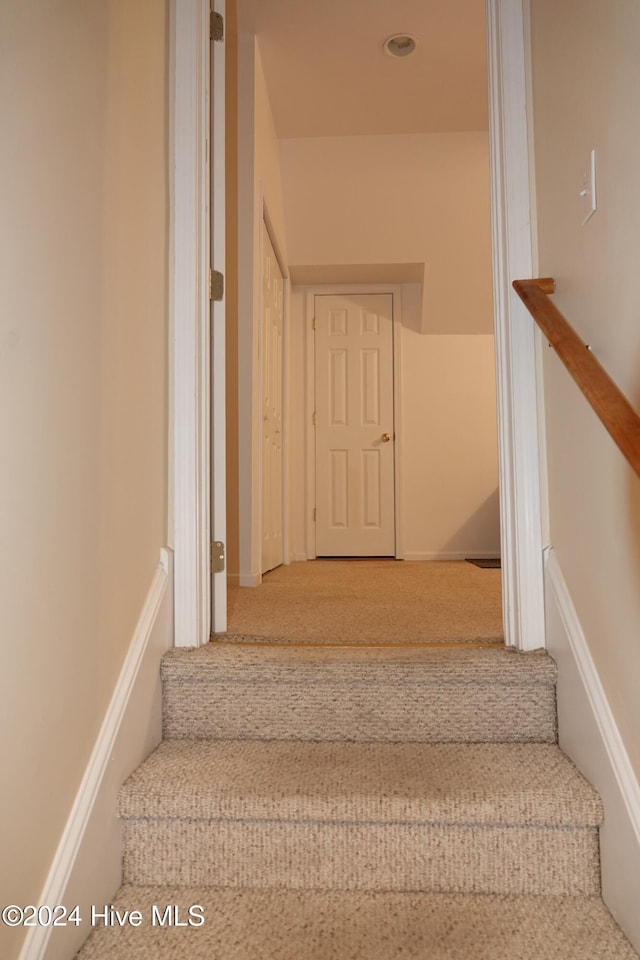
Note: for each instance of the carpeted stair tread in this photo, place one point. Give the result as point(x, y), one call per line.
point(488, 784)
point(235, 691)
point(329, 925)
point(291, 663)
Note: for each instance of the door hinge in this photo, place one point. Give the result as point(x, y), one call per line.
point(314, 323)
point(314, 418)
point(216, 25)
point(216, 285)
point(315, 514)
point(217, 556)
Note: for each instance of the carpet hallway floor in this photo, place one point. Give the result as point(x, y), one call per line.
point(370, 601)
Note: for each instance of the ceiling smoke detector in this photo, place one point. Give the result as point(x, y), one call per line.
point(400, 45)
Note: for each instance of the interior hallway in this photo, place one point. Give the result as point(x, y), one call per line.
point(370, 601)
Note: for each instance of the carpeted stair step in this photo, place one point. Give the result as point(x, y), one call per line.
point(315, 925)
point(466, 818)
point(270, 691)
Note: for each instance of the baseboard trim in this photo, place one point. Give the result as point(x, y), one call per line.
point(455, 555)
point(86, 868)
point(250, 579)
point(589, 734)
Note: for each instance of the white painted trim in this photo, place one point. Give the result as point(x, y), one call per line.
point(588, 733)
point(311, 292)
point(286, 411)
point(519, 463)
point(218, 416)
point(266, 223)
point(247, 347)
point(309, 435)
point(189, 322)
point(455, 555)
point(258, 331)
point(249, 579)
point(398, 426)
point(87, 866)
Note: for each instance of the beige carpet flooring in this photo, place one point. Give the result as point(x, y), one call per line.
point(370, 601)
point(405, 692)
point(306, 797)
point(355, 925)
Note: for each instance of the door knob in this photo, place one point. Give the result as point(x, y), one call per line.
point(385, 437)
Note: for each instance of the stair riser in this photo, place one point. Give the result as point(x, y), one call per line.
point(475, 713)
point(402, 857)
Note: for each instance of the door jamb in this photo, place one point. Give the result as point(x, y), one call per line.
point(189, 444)
point(310, 455)
point(516, 375)
point(191, 476)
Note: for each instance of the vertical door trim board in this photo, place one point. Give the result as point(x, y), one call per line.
point(257, 441)
point(310, 499)
point(512, 257)
point(216, 219)
point(189, 442)
point(197, 487)
point(277, 249)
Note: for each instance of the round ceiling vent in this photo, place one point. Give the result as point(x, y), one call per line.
point(400, 45)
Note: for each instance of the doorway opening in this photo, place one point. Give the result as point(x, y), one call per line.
point(520, 505)
point(387, 432)
point(499, 34)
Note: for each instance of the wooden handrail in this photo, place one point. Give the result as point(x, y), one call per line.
point(607, 400)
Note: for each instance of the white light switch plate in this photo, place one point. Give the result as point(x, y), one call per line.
point(588, 192)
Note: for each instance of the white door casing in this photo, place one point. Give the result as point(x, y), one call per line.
point(516, 377)
point(217, 259)
point(272, 420)
point(354, 425)
point(197, 500)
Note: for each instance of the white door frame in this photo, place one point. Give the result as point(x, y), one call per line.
point(343, 289)
point(190, 477)
point(518, 439)
point(519, 456)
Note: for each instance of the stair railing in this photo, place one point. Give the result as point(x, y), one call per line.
point(606, 398)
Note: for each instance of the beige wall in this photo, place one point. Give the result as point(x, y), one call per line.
point(83, 390)
point(398, 199)
point(450, 503)
point(407, 200)
point(586, 87)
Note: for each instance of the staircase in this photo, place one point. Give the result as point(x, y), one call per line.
point(339, 803)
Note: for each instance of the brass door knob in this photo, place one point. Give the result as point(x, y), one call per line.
point(385, 437)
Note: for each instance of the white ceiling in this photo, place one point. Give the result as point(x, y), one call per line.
point(328, 75)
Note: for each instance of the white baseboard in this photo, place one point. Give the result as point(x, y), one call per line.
point(469, 555)
point(250, 579)
point(588, 733)
point(87, 866)
point(255, 579)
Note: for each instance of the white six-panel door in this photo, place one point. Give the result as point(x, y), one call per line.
point(272, 461)
point(355, 506)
